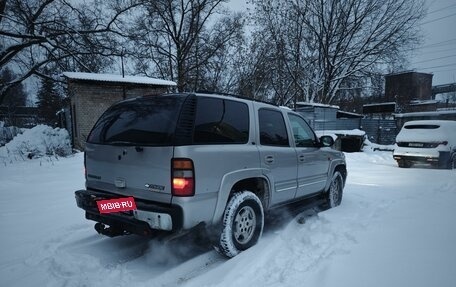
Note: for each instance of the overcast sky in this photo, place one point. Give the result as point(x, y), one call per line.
point(437, 54)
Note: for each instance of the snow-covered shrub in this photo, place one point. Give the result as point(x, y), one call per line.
point(37, 142)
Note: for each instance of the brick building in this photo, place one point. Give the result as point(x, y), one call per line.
point(405, 87)
point(91, 94)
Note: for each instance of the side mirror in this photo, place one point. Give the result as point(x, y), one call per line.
point(326, 141)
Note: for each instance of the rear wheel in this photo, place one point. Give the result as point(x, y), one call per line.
point(452, 163)
point(242, 224)
point(404, 163)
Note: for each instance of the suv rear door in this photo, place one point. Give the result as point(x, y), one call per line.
point(129, 150)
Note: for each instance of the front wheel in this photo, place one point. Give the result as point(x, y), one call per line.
point(242, 224)
point(335, 191)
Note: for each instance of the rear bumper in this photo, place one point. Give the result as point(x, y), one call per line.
point(441, 158)
point(87, 200)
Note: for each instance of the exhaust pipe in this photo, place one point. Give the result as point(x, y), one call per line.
point(110, 231)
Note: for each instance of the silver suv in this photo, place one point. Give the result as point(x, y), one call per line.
point(193, 160)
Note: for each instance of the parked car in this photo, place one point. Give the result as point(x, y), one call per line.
point(428, 141)
point(192, 160)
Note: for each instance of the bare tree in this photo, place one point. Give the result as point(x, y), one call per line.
point(53, 35)
point(327, 42)
point(172, 38)
point(217, 55)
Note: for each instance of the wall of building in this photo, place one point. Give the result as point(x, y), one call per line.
point(326, 119)
point(380, 131)
point(405, 87)
point(89, 100)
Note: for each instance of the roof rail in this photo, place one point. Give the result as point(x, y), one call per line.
point(234, 96)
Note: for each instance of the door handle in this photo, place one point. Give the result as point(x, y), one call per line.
point(269, 159)
point(301, 158)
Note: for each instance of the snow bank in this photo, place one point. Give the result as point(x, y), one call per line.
point(335, 133)
point(37, 142)
point(371, 147)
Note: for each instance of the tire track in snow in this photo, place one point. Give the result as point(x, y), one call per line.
point(299, 248)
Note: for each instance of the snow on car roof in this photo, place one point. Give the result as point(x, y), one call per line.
point(443, 131)
point(118, 78)
point(432, 113)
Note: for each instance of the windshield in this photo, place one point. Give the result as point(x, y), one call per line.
point(142, 121)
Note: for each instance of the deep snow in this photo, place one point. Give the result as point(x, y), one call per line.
point(395, 227)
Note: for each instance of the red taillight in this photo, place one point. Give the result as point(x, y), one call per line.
point(183, 180)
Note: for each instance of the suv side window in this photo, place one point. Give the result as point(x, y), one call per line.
point(303, 134)
point(273, 131)
point(221, 121)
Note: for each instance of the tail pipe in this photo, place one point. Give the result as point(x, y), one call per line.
point(110, 231)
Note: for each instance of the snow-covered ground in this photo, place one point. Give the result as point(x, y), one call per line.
point(395, 227)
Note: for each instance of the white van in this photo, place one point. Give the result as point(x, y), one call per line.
point(427, 141)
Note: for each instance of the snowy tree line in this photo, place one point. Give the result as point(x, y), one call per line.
point(328, 51)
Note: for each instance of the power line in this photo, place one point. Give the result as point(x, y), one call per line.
point(440, 66)
point(433, 45)
point(433, 59)
point(434, 20)
point(444, 8)
point(440, 71)
point(436, 51)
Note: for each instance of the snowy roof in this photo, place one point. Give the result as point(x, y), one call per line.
point(405, 115)
point(118, 79)
point(341, 114)
point(423, 102)
point(316, 105)
point(379, 104)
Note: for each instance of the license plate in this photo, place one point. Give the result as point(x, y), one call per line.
point(116, 205)
point(415, 145)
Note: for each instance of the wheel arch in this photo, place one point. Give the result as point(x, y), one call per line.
point(339, 166)
point(252, 180)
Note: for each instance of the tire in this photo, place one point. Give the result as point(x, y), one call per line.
point(404, 164)
point(242, 224)
point(335, 191)
point(452, 163)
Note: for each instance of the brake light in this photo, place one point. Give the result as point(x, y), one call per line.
point(183, 179)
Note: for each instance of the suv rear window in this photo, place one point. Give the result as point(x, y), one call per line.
point(143, 121)
point(220, 121)
point(422, 127)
